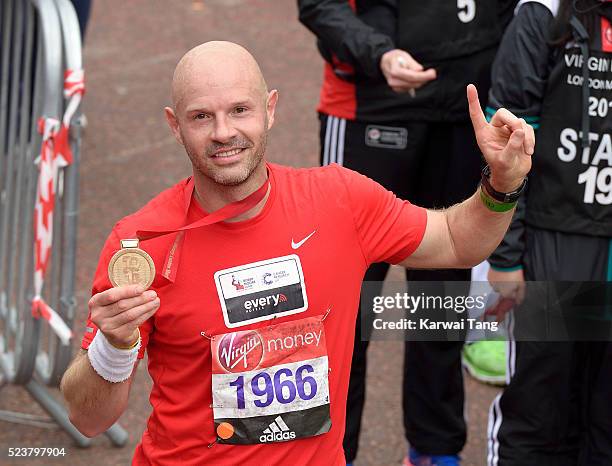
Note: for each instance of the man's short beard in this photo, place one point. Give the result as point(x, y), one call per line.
point(223, 178)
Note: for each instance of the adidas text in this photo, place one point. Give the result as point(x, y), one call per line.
point(277, 437)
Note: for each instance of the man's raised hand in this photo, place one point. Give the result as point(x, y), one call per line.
point(506, 143)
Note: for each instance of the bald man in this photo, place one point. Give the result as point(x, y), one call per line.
point(249, 320)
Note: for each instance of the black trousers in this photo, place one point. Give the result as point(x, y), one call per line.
point(434, 165)
point(557, 410)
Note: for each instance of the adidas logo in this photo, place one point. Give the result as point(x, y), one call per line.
point(277, 431)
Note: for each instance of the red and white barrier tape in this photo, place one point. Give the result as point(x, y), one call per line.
point(55, 154)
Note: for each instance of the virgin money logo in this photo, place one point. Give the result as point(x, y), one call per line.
point(240, 351)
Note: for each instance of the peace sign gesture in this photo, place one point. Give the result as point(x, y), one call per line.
point(507, 143)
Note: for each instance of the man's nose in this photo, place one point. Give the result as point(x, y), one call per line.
point(223, 131)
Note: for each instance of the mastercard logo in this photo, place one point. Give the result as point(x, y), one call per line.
point(225, 430)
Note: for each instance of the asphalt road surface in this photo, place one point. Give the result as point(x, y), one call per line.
point(129, 156)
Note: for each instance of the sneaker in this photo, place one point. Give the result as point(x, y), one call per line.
point(486, 361)
point(415, 458)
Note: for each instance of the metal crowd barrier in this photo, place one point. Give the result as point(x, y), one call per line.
point(40, 88)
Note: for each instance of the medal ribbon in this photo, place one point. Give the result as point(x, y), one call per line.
point(224, 213)
point(55, 154)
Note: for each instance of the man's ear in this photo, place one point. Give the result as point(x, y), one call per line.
point(271, 106)
point(174, 125)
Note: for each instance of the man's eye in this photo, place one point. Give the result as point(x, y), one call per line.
point(199, 116)
point(240, 109)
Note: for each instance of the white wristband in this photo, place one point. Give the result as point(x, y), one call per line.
point(112, 364)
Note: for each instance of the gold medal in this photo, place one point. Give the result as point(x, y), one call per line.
point(131, 266)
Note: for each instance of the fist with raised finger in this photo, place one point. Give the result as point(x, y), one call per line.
point(118, 312)
point(506, 142)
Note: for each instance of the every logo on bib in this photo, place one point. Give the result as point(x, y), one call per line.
point(270, 384)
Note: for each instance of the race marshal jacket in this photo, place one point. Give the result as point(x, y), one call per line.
point(458, 39)
point(565, 93)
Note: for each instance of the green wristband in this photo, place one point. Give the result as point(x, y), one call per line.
point(494, 205)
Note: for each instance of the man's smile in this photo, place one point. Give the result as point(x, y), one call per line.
point(228, 153)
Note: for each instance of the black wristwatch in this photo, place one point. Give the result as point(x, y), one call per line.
point(499, 196)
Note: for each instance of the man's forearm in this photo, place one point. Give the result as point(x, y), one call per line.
point(475, 230)
point(94, 404)
point(345, 34)
point(466, 234)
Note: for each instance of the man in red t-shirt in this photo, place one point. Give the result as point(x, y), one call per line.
point(249, 320)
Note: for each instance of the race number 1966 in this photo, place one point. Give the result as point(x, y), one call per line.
point(284, 386)
point(271, 384)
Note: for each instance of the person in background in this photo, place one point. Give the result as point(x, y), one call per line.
point(556, 410)
point(392, 107)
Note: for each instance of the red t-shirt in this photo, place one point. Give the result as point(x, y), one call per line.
point(336, 221)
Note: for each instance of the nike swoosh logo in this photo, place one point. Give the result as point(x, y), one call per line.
point(299, 244)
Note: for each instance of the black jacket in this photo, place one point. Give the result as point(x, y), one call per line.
point(460, 43)
point(542, 83)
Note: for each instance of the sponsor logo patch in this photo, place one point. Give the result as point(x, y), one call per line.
point(261, 290)
point(388, 137)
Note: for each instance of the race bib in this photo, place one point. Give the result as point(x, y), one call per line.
point(261, 291)
point(270, 384)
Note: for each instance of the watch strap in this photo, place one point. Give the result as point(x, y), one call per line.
point(493, 204)
point(498, 196)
